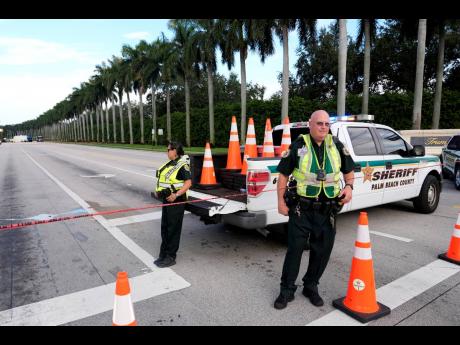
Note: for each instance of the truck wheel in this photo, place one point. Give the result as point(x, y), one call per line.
point(428, 199)
point(457, 178)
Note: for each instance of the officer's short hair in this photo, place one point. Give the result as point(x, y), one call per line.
point(177, 146)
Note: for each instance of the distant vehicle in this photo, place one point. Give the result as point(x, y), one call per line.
point(451, 160)
point(39, 138)
point(29, 138)
point(20, 138)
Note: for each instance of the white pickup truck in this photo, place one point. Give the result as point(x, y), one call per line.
point(387, 169)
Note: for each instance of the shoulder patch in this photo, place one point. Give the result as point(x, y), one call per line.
point(345, 151)
point(186, 167)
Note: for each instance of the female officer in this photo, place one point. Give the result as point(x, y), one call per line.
point(173, 181)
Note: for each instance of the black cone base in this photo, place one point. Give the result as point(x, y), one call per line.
point(444, 257)
point(207, 186)
point(361, 317)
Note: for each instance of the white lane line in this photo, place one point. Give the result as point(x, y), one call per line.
point(75, 306)
point(397, 292)
point(136, 218)
point(132, 246)
point(404, 239)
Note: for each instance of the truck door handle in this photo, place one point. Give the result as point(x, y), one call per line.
point(357, 168)
point(388, 165)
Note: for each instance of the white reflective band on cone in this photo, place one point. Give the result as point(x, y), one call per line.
point(363, 253)
point(456, 233)
point(250, 141)
point(234, 137)
point(363, 234)
point(251, 130)
point(207, 164)
point(269, 149)
point(285, 141)
point(234, 128)
point(123, 313)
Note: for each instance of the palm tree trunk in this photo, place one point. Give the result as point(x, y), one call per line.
point(107, 121)
point(97, 123)
point(418, 92)
point(130, 120)
point(91, 121)
point(211, 104)
point(341, 92)
point(114, 122)
point(141, 114)
point(187, 112)
point(122, 128)
point(367, 67)
point(168, 112)
point(84, 126)
point(101, 111)
point(285, 86)
point(243, 53)
point(154, 113)
point(75, 129)
point(439, 77)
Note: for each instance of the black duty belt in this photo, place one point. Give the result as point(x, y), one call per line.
point(307, 204)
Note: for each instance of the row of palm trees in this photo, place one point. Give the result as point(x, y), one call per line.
point(164, 63)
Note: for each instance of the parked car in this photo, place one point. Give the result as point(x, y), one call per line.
point(450, 157)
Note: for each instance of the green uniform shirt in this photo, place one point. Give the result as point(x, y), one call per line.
point(288, 163)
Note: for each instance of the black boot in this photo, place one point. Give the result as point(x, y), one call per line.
point(313, 296)
point(282, 301)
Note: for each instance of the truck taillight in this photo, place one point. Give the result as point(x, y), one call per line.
point(256, 181)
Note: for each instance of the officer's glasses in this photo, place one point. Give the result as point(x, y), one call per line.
point(321, 124)
point(170, 149)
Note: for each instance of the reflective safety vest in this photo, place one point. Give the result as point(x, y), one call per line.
point(306, 171)
point(167, 175)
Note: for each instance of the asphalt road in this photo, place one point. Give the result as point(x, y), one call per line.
point(63, 273)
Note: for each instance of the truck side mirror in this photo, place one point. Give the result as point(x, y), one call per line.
point(418, 150)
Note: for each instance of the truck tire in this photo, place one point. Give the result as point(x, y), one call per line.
point(428, 199)
point(457, 177)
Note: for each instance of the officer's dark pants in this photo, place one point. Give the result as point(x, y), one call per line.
point(321, 231)
point(171, 228)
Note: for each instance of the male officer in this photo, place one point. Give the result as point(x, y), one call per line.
point(174, 179)
point(315, 160)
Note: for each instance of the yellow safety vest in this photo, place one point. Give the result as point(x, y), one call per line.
point(305, 172)
point(167, 176)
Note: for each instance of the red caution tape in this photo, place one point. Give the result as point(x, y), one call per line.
point(60, 219)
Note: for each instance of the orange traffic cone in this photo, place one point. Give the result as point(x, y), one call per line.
point(208, 176)
point(123, 312)
point(453, 253)
point(268, 150)
point(234, 153)
point(286, 139)
point(250, 149)
point(360, 301)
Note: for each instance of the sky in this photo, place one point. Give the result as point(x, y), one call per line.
point(42, 60)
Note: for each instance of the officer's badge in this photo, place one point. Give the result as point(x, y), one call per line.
point(345, 151)
point(285, 153)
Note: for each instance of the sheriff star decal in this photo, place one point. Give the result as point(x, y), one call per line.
point(367, 171)
point(345, 151)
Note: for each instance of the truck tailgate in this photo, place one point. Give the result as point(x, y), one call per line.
point(226, 201)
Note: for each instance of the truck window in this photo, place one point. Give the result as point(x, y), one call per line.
point(393, 144)
point(454, 143)
point(362, 141)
